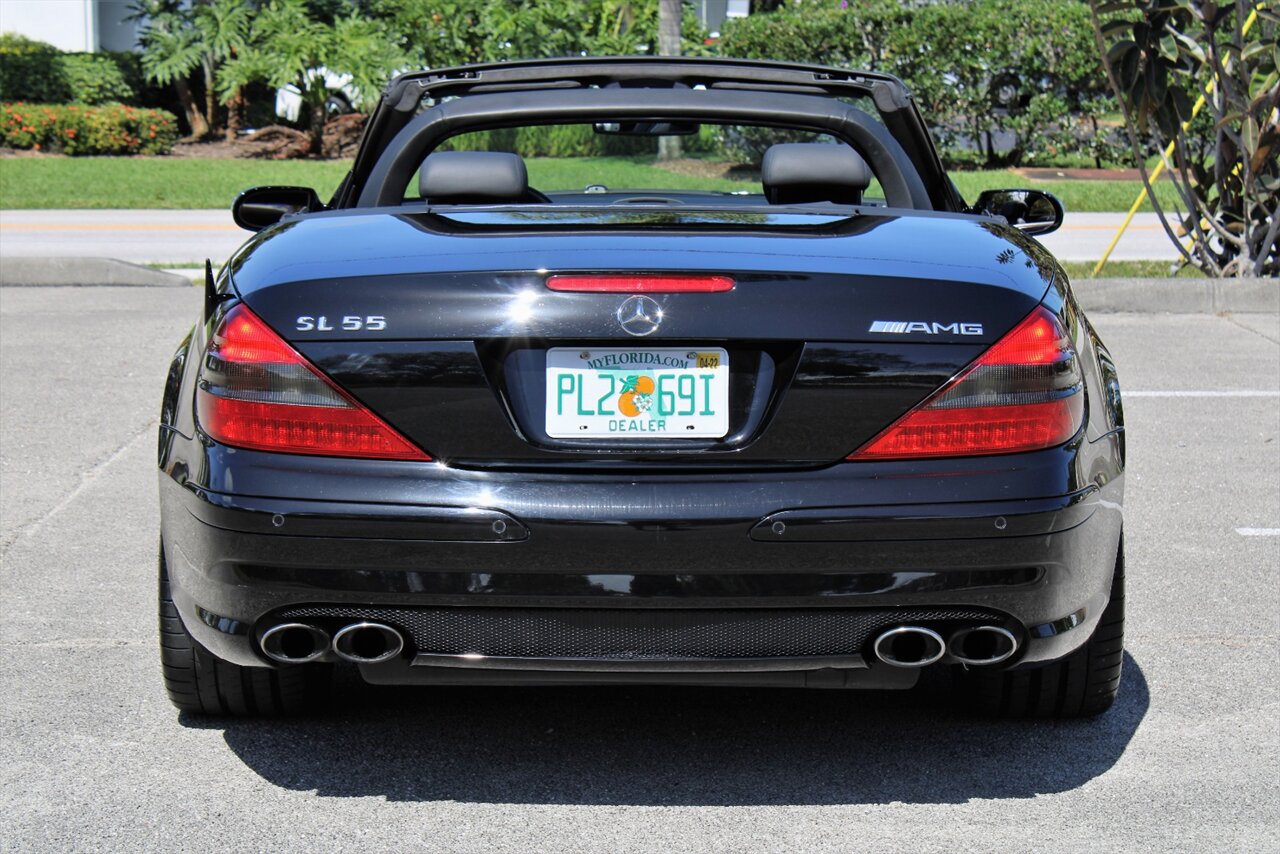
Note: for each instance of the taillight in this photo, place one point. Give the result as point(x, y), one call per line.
point(1023, 394)
point(257, 392)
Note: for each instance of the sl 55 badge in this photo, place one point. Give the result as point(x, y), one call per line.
point(348, 323)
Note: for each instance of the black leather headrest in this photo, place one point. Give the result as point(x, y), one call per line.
point(473, 177)
point(799, 173)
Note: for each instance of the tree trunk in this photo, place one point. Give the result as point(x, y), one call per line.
point(195, 117)
point(315, 129)
point(669, 14)
point(210, 97)
point(235, 115)
point(1097, 156)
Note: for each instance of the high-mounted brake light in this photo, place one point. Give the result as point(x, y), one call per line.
point(659, 283)
point(1023, 394)
point(257, 392)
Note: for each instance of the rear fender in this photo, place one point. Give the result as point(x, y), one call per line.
point(170, 407)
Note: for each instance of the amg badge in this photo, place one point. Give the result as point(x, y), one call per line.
point(906, 327)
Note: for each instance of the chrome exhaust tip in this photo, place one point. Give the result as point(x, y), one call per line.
point(294, 643)
point(910, 646)
point(367, 643)
point(980, 645)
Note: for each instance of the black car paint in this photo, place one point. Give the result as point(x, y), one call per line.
point(1032, 536)
point(824, 389)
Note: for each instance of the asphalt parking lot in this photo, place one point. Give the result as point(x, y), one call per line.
point(94, 758)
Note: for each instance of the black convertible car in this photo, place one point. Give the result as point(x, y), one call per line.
point(456, 427)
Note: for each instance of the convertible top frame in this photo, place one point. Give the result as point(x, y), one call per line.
point(403, 96)
point(386, 182)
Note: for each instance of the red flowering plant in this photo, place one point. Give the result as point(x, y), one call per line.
point(112, 129)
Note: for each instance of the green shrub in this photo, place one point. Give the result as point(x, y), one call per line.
point(39, 73)
point(747, 144)
point(556, 141)
point(30, 71)
point(859, 35)
point(553, 141)
point(95, 79)
point(73, 129)
point(975, 68)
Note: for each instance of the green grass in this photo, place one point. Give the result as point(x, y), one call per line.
point(154, 182)
point(1129, 270)
point(1076, 196)
point(550, 173)
point(137, 182)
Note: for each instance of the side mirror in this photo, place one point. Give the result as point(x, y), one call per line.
point(261, 207)
point(1029, 211)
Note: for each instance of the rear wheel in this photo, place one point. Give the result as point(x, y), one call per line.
point(1083, 684)
point(337, 104)
point(200, 682)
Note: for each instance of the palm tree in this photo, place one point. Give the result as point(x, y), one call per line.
point(180, 40)
point(286, 46)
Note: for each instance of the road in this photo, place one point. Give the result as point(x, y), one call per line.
point(92, 757)
point(182, 238)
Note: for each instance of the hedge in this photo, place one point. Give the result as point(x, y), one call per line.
point(73, 129)
point(578, 140)
point(36, 72)
point(958, 59)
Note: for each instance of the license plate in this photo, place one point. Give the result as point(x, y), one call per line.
point(636, 393)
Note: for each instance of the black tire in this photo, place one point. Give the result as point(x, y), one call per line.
point(200, 682)
point(1083, 684)
point(1005, 94)
point(337, 104)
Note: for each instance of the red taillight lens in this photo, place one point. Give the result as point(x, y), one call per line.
point(1024, 394)
point(632, 284)
point(257, 392)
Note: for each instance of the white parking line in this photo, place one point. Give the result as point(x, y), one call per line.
point(1243, 392)
point(1258, 532)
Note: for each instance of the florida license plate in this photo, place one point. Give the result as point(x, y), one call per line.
point(635, 393)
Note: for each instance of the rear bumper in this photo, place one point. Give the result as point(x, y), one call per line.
point(559, 544)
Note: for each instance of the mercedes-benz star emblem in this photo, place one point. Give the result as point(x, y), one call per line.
point(639, 315)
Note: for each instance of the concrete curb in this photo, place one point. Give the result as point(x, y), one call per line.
point(1178, 296)
point(83, 272)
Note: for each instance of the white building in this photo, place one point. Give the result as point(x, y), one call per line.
point(85, 26)
point(72, 25)
point(712, 13)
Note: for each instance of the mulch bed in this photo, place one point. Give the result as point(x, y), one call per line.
point(275, 142)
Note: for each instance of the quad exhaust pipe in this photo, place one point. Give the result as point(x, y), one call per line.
point(361, 643)
point(294, 643)
point(979, 645)
point(367, 643)
point(917, 646)
point(902, 646)
point(910, 646)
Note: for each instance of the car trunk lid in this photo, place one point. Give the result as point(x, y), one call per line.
point(831, 328)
